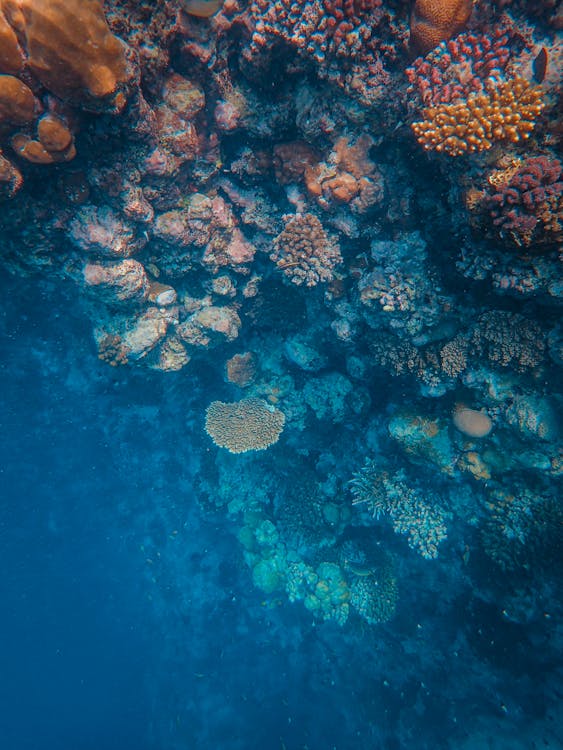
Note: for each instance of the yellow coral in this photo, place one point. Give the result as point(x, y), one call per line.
point(503, 112)
point(247, 425)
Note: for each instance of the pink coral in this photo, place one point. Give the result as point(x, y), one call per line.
point(528, 206)
point(458, 67)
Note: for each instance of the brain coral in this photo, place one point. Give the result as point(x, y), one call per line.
point(434, 21)
point(247, 425)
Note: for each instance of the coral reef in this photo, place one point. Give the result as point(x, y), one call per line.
point(262, 193)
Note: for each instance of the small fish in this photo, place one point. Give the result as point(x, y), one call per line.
point(539, 66)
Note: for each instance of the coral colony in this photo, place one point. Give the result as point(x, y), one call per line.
point(317, 201)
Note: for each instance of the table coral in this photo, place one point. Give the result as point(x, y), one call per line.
point(247, 425)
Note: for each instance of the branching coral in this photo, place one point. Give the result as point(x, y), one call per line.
point(304, 251)
point(509, 340)
point(525, 202)
point(384, 494)
point(503, 112)
point(458, 67)
point(247, 425)
point(523, 530)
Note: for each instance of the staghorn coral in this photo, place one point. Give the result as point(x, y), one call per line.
point(304, 252)
point(433, 21)
point(503, 112)
point(422, 523)
point(247, 425)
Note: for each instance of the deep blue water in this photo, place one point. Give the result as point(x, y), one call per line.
point(130, 620)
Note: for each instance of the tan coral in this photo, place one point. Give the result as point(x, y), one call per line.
point(434, 21)
point(247, 425)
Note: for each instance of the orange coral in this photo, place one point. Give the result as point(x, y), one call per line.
point(348, 176)
point(70, 48)
point(435, 21)
point(18, 106)
point(503, 112)
point(11, 55)
point(10, 178)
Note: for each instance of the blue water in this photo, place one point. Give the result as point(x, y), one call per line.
point(129, 619)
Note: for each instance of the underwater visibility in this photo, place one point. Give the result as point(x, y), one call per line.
point(281, 374)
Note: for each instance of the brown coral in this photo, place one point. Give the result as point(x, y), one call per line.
point(434, 21)
point(241, 369)
point(503, 112)
point(247, 425)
